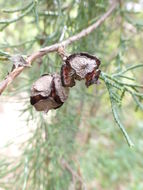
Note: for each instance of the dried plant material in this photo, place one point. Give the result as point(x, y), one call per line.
point(48, 93)
point(80, 66)
point(42, 86)
point(92, 78)
point(67, 75)
point(18, 61)
point(62, 92)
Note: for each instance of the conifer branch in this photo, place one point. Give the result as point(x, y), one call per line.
point(115, 99)
point(116, 116)
point(12, 75)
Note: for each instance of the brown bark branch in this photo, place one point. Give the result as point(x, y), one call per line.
point(12, 75)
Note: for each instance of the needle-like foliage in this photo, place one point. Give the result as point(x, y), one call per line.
point(78, 145)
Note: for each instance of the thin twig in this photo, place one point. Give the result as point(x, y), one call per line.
point(128, 69)
point(11, 76)
point(9, 21)
point(18, 45)
point(122, 83)
point(118, 85)
point(17, 9)
point(48, 13)
point(75, 175)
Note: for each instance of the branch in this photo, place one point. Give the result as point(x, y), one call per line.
point(116, 117)
point(11, 76)
point(75, 175)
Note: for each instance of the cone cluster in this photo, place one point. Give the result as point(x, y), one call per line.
point(50, 91)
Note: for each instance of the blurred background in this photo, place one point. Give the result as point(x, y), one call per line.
point(78, 146)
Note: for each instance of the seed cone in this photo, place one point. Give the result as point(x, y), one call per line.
point(48, 93)
point(80, 66)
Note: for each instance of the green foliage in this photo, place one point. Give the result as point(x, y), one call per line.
point(77, 146)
